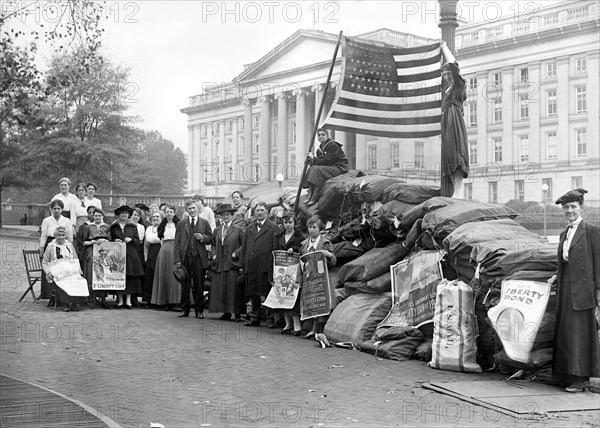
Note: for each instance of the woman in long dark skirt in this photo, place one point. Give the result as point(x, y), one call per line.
point(576, 346)
point(151, 250)
point(94, 233)
point(225, 294)
point(124, 230)
point(291, 240)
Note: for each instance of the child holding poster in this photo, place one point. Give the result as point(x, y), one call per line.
point(316, 243)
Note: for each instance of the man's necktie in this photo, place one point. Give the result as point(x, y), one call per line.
point(224, 232)
point(193, 223)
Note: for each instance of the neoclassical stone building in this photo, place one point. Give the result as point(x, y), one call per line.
point(532, 114)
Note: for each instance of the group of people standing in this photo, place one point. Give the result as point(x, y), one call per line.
point(169, 260)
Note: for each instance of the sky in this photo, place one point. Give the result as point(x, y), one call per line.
point(173, 48)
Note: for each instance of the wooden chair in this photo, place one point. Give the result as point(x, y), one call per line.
point(33, 267)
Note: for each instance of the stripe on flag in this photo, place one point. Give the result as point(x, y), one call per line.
point(388, 91)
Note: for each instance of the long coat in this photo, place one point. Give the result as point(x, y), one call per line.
point(225, 248)
point(576, 348)
point(133, 264)
point(294, 243)
point(256, 257)
point(182, 234)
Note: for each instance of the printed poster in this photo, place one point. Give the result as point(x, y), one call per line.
point(517, 317)
point(66, 276)
point(317, 294)
point(414, 286)
point(284, 291)
point(108, 262)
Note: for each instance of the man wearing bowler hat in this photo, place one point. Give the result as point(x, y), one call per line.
point(191, 237)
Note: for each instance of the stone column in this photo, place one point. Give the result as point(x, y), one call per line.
point(384, 154)
point(361, 152)
point(593, 107)
point(482, 121)
point(264, 150)
point(221, 158)
point(301, 127)
point(191, 167)
point(245, 170)
point(507, 117)
point(535, 146)
point(282, 132)
point(564, 107)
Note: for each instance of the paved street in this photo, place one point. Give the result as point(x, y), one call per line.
point(146, 366)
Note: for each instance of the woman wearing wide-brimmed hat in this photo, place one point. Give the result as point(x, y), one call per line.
point(576, 347)
point(124, 230)
point(225, 294)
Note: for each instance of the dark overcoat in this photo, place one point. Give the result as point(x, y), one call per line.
point(256, 257)
point(225, 248)
point(133, 264)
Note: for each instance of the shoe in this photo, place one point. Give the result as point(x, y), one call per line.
point(75, 307)
point(66, 309)
point(104, 305)
point(297, 332)
point(238, 319)
point(286, 331)
point(309, 335)
point(120, 306)
point(252, 324)
point(594, 389)
point(183, 315)
point(128, 306)
point(225, 317)
point(199, 315)
point(271, 326)
point(136, 304)
point(91, 305)
point(578, 387)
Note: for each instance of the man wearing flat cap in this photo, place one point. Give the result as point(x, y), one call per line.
point(576, 346)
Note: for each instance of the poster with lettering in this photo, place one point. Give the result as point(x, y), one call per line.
point(414, 285)
point(284, 291)
point(317, 295)
point(517, 317)
point(109, 266)
point(66, 275)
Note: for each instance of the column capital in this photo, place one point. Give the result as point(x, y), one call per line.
point(280, 95)
point(246, 102)
point(298, 93)
point(265, 99)
point(317, 87)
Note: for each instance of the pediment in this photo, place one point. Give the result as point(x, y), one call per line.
point(302, 49)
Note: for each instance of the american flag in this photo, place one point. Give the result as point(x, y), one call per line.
point(388, 91)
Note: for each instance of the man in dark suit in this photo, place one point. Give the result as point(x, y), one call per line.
point(191, 236)
point(256, 259)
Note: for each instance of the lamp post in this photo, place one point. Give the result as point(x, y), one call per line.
point(545, 188)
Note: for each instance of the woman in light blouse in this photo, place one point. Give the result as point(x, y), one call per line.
point(94, 233)
point(69, 201)
point(81, 207)
point(49, 225)
point(166, 291)
point(151, 250)
point(91, 192)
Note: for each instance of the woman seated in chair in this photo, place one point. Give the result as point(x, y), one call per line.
point(57, 249)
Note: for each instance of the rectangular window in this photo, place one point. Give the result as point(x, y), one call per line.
point(524, 148)
point(472, 84)
point(293, 131)
point(372, 156)
point(498, 110)
point(524, 75)
point(205, 152)
point(229, 125)
point(468, 191)
point(551, 70)
point(419, 155)
point(497, 79)
point(581, 142)
point(551, 145)
point(497, 143)
point(472, 113)
point(493, 190)
point(547, 194)
point(395, 146)
point(520, 190)
point(240, 146)
point(576, 182)
point(551, 104)
point(255, 143)
point(216, 129)
point(204, 131)
point(256, 120)
point(241, 124)
point(580, 66)
point(581, 99)
point(524, 106)
point(229, 147)
point(473, 152)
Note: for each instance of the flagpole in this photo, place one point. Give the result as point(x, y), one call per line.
point(316, 127)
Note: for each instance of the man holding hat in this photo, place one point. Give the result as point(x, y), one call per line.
point(576, 346)
point(192, 234)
